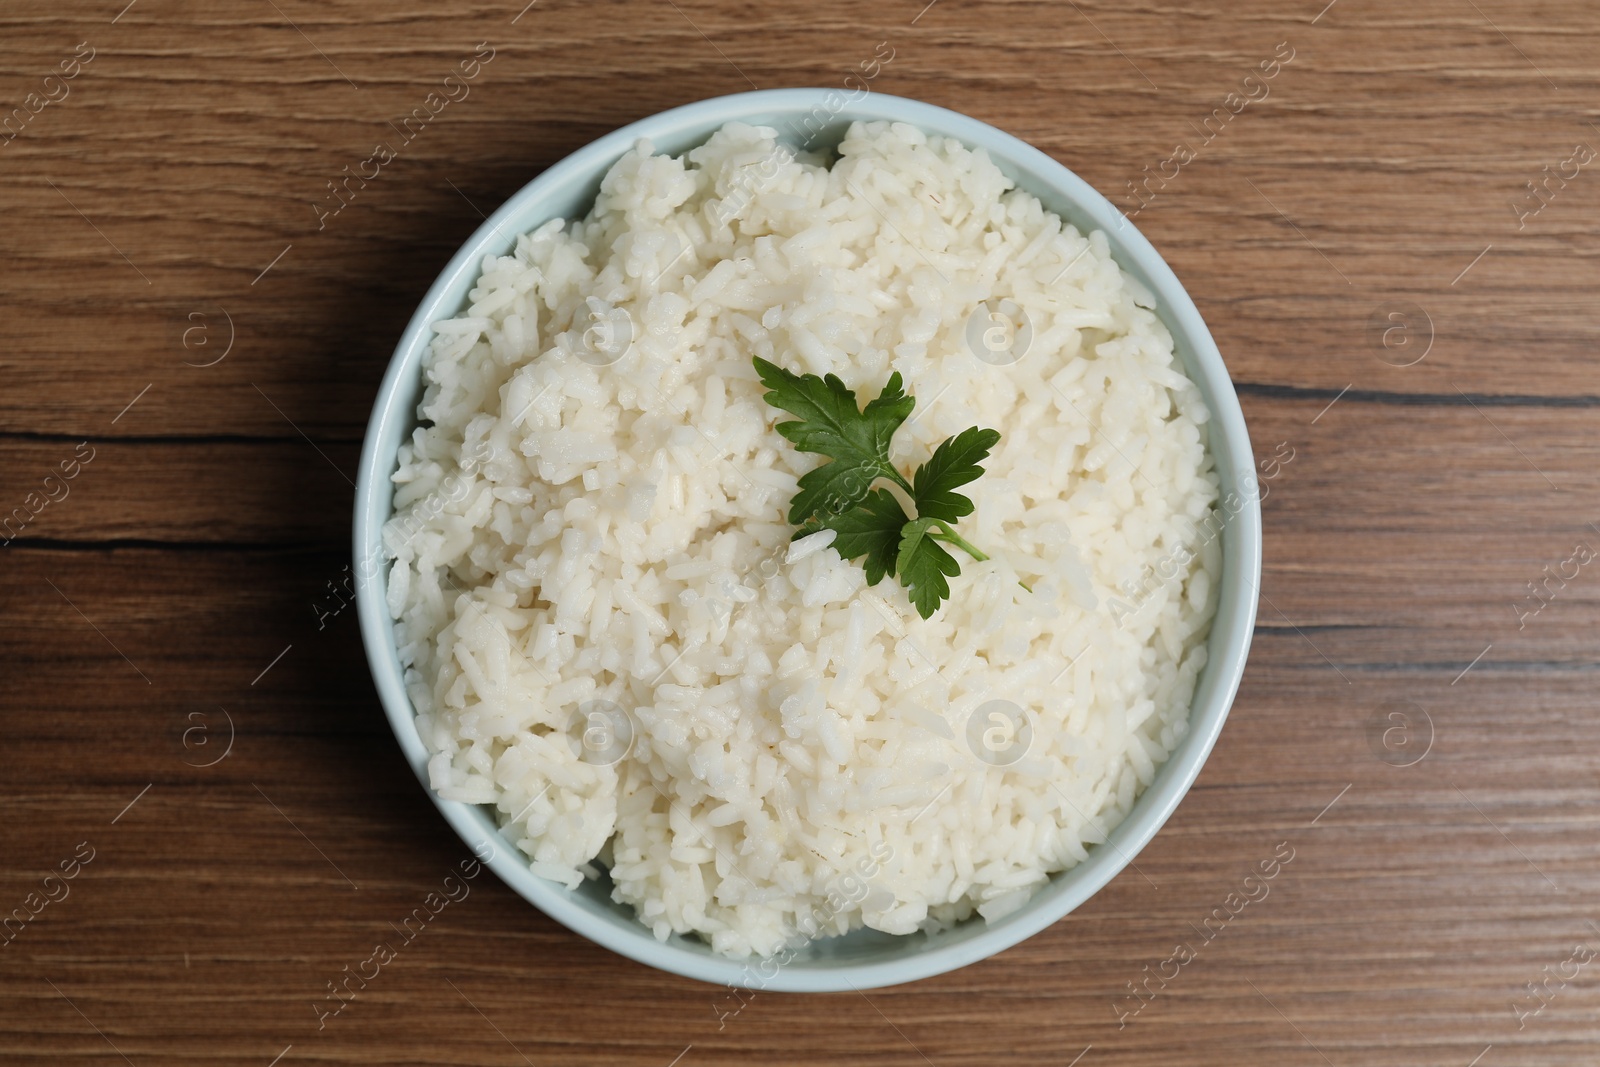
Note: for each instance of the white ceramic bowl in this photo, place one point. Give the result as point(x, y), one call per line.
point(865, 958)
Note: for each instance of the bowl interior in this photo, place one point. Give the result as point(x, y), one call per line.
point(808, 118)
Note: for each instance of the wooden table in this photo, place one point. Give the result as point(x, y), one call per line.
point(1363, 240)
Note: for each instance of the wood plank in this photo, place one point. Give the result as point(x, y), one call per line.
point(183, 579)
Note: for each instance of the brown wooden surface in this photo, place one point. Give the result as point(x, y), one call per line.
point(191, 550)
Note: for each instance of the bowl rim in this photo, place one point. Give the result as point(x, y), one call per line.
point(374, 498)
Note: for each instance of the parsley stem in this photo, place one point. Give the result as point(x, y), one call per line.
point(949, 535)
point(956, 539)
point(899, 479)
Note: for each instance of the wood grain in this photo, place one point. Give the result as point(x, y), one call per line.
point(183, 581)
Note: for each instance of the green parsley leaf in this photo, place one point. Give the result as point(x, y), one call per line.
point(829, 422)
point(922, 565)
point(954, 464)
point(870, 522)
point(871, 530)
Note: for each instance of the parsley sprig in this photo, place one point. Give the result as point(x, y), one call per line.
point(839, 496)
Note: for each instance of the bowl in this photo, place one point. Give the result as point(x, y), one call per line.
point(865, 958)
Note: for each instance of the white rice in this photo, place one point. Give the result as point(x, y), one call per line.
point(568, 533)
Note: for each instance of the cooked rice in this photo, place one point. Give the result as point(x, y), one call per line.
point(569, 531)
